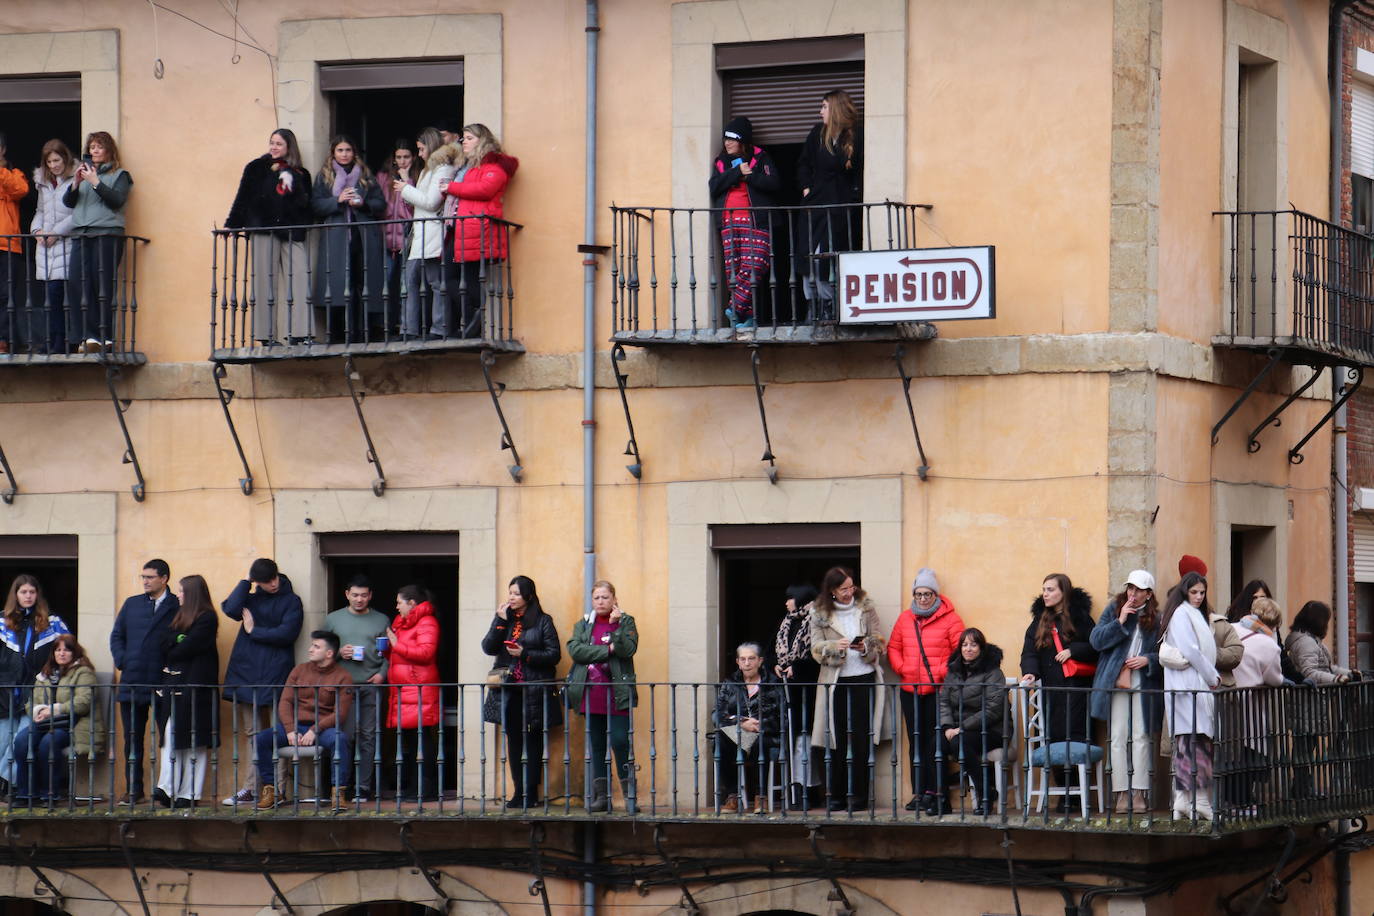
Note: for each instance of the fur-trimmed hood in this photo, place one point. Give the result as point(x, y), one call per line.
point(989, 660)
point(823, 618)
point(448, 154)
point(1080, 612)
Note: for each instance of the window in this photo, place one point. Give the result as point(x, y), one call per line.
point(1253, 556)
point(759, 562)
point(377, 103)
point(392, 560)
point(35, 110)
point(52, 558)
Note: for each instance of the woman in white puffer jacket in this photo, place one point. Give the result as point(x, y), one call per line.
point(52, 224)
point(423, 268)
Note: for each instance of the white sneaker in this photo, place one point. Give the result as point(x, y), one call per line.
point(241, 797)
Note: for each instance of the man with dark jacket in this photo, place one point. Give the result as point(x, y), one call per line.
point(271, 615)
point(136, 645)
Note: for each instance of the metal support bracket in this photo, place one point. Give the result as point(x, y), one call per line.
point(496, 389)
point(1345, 393)
point(443, 900)
point(350, 375)
point(538, 887)
point(8, 493)
point(225, 396)
point(1275, 355)
point(1252, 444)
point(249, 828)
point(763, 415)
point(130, 456)
point(837, 894)
point(126, 831)
point(1270, 880)
point(689, 903)
point(924, 467)
point(22, 854)
point(632, 447)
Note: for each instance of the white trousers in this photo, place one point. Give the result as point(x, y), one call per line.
point(181, 774)
point(1132, 761)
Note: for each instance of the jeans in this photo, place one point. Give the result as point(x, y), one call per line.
point(362, 724)
point(921, 713)
point(333, 743)
point(45, 775)
point(9, 727)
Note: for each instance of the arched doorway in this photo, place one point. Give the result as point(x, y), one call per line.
point(385, 908)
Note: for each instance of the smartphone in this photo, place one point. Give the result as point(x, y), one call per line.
point(512, 644)
point(736, 162)
point(88, 161)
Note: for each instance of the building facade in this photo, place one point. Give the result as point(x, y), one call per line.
point(1151, 173)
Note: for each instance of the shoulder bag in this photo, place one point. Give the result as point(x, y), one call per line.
point(1072, 668)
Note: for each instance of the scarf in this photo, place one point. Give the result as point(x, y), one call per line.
point(286, 179)
point(924, 614)
point(517, 628)
point(793, 641)
point(347, 179)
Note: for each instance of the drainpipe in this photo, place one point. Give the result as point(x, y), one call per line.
point(1335, 51)
point(593, 31)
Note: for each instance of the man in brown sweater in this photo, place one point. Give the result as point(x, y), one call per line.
point(312, 710)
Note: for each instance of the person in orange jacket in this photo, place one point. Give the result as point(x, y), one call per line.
point(924, 639)
point(13, 186)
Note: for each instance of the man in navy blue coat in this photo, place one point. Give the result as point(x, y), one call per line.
point(271, 615)
point(136, 645)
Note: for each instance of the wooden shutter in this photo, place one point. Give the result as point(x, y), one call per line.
point(41, 89)
point(783, 103)
point(1362, 128)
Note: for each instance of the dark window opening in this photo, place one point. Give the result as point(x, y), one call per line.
point(388, 572)
point(1364, 626)
point(376, 118)
point(52, 559)
point(1253, 556)
point(33, 112)
point(384, 908)
point(754, 580)
point(17, 906)
point(1362, 203)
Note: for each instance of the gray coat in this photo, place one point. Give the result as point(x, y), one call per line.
point(1112, 639)
point(333, 255)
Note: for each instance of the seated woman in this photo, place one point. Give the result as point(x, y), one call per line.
point(748, 719)
point(64, 713)
point(973, 711)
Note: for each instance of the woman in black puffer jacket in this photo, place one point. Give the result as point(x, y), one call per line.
point(973, 711)
point(524, 641)
point(748, 715)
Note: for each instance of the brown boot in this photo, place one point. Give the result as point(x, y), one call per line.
point(340, 797)
point(731, 804)
point(267, 798)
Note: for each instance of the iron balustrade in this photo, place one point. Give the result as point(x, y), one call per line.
point(672, 278)
point(1281, 755)
point(1295, 279)
point(335, 290)
point(88, 312)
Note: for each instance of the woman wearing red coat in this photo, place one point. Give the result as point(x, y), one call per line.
point(479, 244)
point(924, 639)
point(413, 706)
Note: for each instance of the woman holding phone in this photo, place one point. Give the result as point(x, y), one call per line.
point(601, 686)
point(97, 197)
point(426, 305)
point(1126, 688)
point(524, 642)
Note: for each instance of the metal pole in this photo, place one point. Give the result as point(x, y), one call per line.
point(593, 30)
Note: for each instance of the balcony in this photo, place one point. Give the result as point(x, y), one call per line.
point(89, 315)
point(1299, 285)
point(671, 283)
point(1283, 757)
point(315, 291)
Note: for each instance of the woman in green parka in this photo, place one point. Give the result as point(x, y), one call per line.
point(66, 713)
point(602, 688)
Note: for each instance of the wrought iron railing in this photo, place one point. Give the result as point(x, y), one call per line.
point(1296, 279)
point(690, 273)
point(70, 298)
point(1280, 756)
point(320, 290)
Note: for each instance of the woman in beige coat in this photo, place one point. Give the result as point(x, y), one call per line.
point(845, 641)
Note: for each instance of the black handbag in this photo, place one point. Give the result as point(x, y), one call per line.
point(491, 706)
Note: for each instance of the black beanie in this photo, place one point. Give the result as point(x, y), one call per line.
point(740, 129)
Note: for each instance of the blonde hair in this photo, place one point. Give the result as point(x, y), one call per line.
point(1268, 612)
point(68, 163)
point(839, 127)
point(604, 583)
point(486, 142)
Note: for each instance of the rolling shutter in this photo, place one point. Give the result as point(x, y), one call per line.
point(1362, 128)
point(390, 75)
point(778, 85)
point(1363, 549)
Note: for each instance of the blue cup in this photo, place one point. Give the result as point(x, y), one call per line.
point(383, 644)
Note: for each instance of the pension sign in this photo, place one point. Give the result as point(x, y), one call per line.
point(924, 284)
